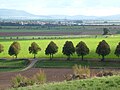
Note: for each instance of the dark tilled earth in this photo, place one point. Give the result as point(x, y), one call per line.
point(52, 75)
point(37, 33)
point(46, 33)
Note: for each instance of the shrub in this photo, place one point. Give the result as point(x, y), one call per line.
point(30, 81)
point(19, 81)
point(68, 77)
point(82, 71)
point(104, 83)
point(40, 77)
point(104, 73)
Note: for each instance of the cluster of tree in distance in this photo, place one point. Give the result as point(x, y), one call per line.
point(81, 49)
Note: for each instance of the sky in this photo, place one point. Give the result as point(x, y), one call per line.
point(64, 7)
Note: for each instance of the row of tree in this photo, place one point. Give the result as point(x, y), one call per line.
point(81, 49)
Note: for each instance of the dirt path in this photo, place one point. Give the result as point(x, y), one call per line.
point(33, 61)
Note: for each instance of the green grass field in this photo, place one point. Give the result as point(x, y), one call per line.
point(70, 64)
point(10, 69)
point(91, 43)
point(12, 65)
point(104, 83)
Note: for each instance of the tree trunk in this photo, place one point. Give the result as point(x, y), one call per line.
point(15, 56)
point(50, 57)
point(34, 56)
point(103, 58)
point(82, 57)
point(68, 58)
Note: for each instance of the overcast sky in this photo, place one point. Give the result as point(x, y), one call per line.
point(64, 7)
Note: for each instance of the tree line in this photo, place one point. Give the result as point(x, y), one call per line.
point(81, 49)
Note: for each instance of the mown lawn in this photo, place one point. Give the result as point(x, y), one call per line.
point(104, 83)
point(91, 43)
point(10, 69)
point(12, 65)
point(70, 64)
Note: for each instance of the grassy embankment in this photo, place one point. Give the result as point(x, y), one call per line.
point(12, 65)
point(104, 83)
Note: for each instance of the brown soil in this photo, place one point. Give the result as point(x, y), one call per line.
point(48, 33)
point(37, 33)
point(52, 75)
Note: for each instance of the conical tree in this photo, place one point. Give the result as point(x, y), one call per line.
point(68, 49)
point(117, 50)
point(82, 49)
point(1, 48)
point(51, 49)
point(34, 49)
point(103, 49)
point(106, 31)
point(14, 49)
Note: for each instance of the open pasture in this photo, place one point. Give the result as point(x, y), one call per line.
point(91, 42)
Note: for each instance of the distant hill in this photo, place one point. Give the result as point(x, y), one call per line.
point(20, 14)
point(76, 17)
point(113, 17)
point(12, 12)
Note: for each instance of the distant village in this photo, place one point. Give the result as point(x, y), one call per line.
point(64, 22)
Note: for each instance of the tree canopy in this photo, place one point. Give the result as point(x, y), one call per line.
point(14, 49)
point(106, 31)
point(51, 49)
point(34, 49)
point(103, 49)
point(117, 50)
point(82, 49)
point(1, 48)
point(68, 49)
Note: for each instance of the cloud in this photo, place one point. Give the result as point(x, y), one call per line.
point(101, 3)
point(58, 3)
point(65, 7)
